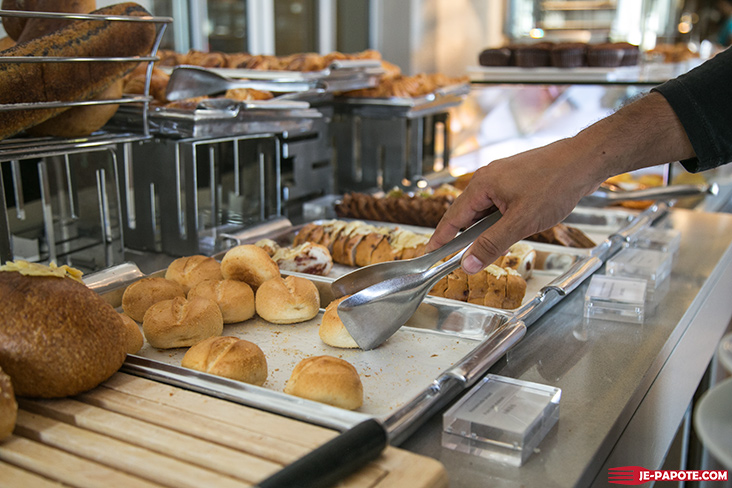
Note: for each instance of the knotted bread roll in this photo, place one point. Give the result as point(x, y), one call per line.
point(229, 357)
point(287, 301)
point(182, 323)
point(234, 298)
point(326, 379)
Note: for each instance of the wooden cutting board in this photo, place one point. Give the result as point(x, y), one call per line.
point(133, 432)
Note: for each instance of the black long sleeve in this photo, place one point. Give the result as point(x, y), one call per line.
point(702, 100)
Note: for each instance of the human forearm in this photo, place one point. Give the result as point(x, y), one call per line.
point(642, 134)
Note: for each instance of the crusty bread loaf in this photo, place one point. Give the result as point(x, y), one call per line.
point(229, 357)
point(81, 121)
point(8, 406)
point(182, 323)
point(234, 298)
point(133, 337)
point(46, 82)
point(24, 29)
point(6, 43)
point(287, 301)
point(332, 331)
point(250, 264)
point(328, 380)
point(144, 293)
point(191, 270)
point(58, 337)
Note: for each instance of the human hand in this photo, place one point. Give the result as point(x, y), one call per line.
point(533, 190)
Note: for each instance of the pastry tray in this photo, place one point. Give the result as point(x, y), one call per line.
point(407, 378)
point(223, 117)
point(436, 102)
point(565, 268)
point(339, 76)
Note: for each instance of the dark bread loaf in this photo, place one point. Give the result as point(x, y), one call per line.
point(46, 82)
point(8, 406)
point(58, 337)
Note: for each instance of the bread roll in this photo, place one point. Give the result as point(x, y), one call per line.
point(58, 337)
point(133, 337)
point(182, 323)
point(8, 406)
point(287, 301)
point(328, 380)
point(229, 357)
point(250, 264)
point(144, 293)
point(191, 270)
point(332, 331)
point(234, 298)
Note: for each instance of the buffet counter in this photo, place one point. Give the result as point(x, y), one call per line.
point(625, 387)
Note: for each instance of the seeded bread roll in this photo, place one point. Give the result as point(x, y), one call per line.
point(287, 301)
point(58, 337)
point(250, 264)
point(182, 323)
point(332, 331)
point(229, 357)
point(234, 298)
point(191, 270)
point(8, 406)
point(133, 337)
point(144, 293)
point(328, 380)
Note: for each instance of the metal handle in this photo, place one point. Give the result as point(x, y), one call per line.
point(664, 192)
point(489, 351)
point(461, 241)
point(574, 276)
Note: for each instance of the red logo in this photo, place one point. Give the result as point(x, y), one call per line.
point(637, 475)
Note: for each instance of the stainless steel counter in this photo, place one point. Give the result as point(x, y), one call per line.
point(625, 388)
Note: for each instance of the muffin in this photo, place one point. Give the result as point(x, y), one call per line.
point(495, 57)
point(631, 53)
point(533, 55)
point(605, 55)
point(569, 55)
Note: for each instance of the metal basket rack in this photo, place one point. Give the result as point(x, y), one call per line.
point(78, 217)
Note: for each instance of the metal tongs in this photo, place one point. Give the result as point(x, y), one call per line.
point(194, 81)
point(385, 295)
point(607, 195)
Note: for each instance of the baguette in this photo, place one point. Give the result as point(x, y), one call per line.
point(47, 82)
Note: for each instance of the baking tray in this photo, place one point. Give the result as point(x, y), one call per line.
point(413, 374)
point(409, 107)
point(340, 76)
point(223, 117)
